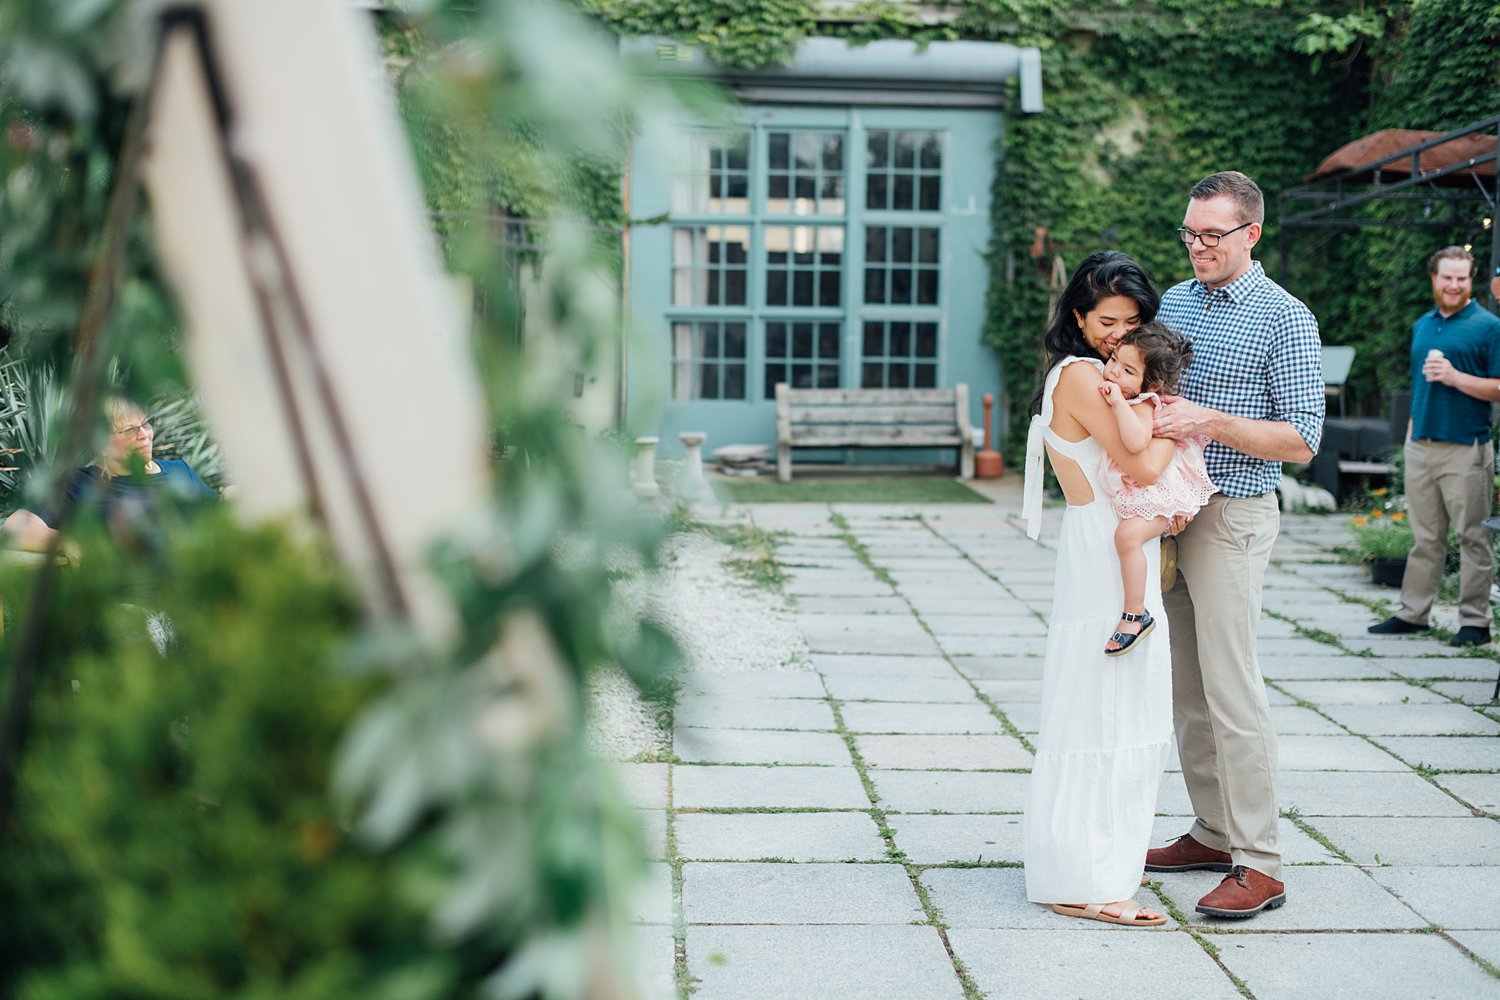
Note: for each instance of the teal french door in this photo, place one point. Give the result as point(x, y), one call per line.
point(820, 246)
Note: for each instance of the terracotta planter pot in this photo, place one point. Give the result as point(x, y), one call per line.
point(1388, 570)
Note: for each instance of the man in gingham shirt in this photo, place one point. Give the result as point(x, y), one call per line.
point(1255, 388)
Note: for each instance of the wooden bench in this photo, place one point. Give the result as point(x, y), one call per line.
point(872, 418)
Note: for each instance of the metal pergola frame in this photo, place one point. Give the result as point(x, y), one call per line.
point(1323, 200)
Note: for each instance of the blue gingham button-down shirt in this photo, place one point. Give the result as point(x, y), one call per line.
point(1256, 354)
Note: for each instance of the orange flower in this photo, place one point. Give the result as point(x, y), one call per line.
point(1377, 513)
point(1360, 522)
point(1378, 493)
point(1398, 516)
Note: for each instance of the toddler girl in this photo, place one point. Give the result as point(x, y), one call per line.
point(1151, 357)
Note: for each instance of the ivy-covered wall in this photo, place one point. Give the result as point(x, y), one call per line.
point(1144, 99)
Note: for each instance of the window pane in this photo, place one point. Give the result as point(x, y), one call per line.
point(711, 173)
point(927, 245)
point(900, 287)
point(872, 377)
point(874, 339)
point(926, 376)
point(901, 245)
point(927, 288)
point(902, 199)
point(780, 150)
point(875, 192)
point(906, 149)
point(926, 340)
point(930, 197)
point(932, 151)
point(900, 339)
point(706, 355)
point(828, 340)
point(876, 150)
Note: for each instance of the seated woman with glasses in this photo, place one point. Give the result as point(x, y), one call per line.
point(124, 483)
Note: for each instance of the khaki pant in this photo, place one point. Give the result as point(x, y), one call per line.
point(1448, 484)
point(1224, 733)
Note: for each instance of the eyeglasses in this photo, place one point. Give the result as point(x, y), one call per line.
point(1209, 240)
point(144, 427)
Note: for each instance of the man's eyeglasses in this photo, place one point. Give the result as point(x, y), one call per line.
point(144, 427)
point(1209, 240)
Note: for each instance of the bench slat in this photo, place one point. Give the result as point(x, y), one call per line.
point(839, 397)
point(896, 435)
point(873, 415)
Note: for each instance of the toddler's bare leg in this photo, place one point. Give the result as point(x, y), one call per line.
point(1132, 533)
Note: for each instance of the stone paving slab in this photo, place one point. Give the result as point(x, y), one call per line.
point(1325, 693)
point(836, 586)
point(892, 634)
point(827, 963)
point(655, 958)
point(703, 786)
point(1012, 691)
point(963, 753)
point(759, 684)
point(644, 785)
point(1449, 897)
point(1468, 668)
point(1024, 715)
point(833, 836)
point(1001, 668)
point(1354, 967)
point(1333, 753)
point(775, 893)
point(1319, 666)
point(840, 605)
point(1027, 964)
point(1436, 841)
point(907, 717)
point(653, 825)
point(1363, 793)
point(996, 644)
point(1485, 944)
point(951, 604)
point(1403, 646)
point(752, 713)
point(875, 664)
point(1414, 720)
point(954, 626)
point(1447, 753)
point(950, 791)
point(934, 690)
point(936, 840)
point(1319, 898)
point(755, 746)
point(1470, 692)
point(1295, 646)
point(1294, 720)
point(651, 902)
point(1482, 791)
point(989, 898)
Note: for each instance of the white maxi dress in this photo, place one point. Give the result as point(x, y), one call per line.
point(1106, 722)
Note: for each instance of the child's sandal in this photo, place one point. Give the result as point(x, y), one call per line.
point(1128, 640)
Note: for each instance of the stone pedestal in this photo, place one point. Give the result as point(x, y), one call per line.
point(690, 482)
point(644, 479)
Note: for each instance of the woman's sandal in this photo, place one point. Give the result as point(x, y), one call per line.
point(1127, 639)
point(1129, 915)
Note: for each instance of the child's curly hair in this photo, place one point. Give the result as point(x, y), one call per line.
point(1165, 353)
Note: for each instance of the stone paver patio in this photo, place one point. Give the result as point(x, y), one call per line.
point(852, 829)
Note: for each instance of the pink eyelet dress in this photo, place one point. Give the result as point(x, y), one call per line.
point(1182, 488)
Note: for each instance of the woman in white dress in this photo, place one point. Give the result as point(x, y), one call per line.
point(1106, 722)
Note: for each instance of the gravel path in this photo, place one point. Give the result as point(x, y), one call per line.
point(724, 625)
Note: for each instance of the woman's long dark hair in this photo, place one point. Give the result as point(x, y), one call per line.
point(1100, 275)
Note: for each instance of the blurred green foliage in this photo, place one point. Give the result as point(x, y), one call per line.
point(290, 800)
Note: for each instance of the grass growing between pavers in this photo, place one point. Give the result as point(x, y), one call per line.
point(934, 918)
point(860, 551)
point(755, 561)
point(1294, 816)
point(881, 573)
point(848, 489)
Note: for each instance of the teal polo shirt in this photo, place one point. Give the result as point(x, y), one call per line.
point(1470, 340)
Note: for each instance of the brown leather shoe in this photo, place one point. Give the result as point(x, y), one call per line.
point(1243, 893)
point(1186, 855)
